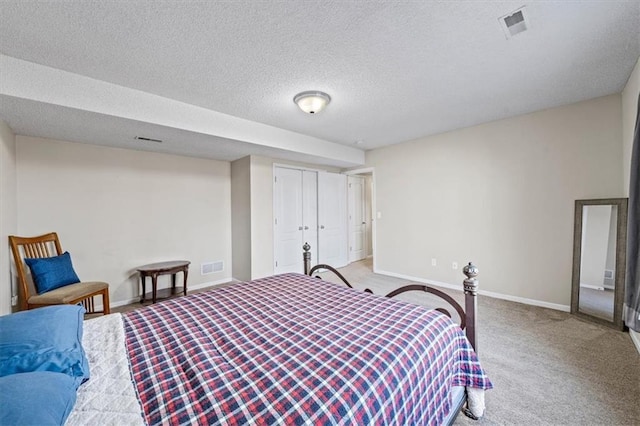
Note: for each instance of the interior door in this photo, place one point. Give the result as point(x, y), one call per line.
point(288, 222)
point(332, 219)
point(310, 213)
point(357, 219)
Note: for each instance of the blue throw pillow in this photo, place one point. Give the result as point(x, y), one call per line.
point(40, 398)
point(44, 339)
point(50, 273)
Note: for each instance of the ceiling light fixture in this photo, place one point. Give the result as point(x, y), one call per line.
point(312, 101)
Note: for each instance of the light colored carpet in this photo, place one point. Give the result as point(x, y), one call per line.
point(598, 303)
point(548, 367)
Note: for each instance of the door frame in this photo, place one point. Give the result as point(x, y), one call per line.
point(374, 216)
point(353, 200)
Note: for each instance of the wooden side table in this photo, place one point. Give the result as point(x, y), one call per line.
point(163, 268)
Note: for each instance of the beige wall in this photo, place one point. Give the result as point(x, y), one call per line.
point(368, 196)
point(241, 218)
point(500, 194)
point(116, 209)
point(262, 217)
point(8, 216)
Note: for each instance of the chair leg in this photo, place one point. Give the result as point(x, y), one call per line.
point(105, 302)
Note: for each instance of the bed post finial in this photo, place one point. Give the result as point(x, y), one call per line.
point(471, 303)
point(471, 283)
point(306, 256)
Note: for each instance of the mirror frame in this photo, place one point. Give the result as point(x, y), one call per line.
point(621, 259)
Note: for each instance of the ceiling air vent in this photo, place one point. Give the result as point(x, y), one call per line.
point(142, 138)
point(514, 23)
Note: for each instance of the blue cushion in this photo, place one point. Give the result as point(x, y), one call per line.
point(50, 273)
point(40, 398)
point(44, 339)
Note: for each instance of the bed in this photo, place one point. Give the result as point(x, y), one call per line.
point(287, 349)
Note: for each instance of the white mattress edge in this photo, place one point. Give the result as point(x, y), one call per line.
point(108, 397)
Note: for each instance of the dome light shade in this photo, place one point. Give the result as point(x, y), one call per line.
point(312, 102)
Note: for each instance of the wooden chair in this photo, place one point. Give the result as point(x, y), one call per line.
point(48, 245)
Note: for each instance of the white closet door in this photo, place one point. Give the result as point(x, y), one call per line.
point(288, 226)
point(332, 219)
point(310, 213)
point(357, 220)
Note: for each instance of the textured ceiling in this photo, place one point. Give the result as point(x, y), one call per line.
point(395, 70)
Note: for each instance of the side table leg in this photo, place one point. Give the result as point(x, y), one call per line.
point(173, 283)
point(154, 283)
point(144, 287)
point(185, 273)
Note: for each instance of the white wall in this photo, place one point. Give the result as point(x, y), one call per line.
point(117, 209)
point(611, 248)
point(8, 216)
point(596, 224)
point(500, 194)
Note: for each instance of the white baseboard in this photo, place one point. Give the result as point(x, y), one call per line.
point(635, 338)
point(526, 301)
point(420, 280)
point(190, 287)
point(592, 287)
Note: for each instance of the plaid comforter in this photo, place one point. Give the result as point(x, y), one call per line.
point(291, 349)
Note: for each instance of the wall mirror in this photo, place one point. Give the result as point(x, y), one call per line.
point(599, 260)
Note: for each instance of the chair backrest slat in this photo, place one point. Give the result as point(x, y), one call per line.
point(42, 246)
point(37, 250)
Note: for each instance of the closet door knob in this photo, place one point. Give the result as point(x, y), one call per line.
point(306, 227)
point(321, 226)
point(299, 228)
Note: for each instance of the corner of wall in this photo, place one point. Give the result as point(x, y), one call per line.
point(8, 212)
point(261, 216)
point(241, 218)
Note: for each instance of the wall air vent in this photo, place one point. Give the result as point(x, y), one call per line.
point(142, 138)
point(515, 22)
point(211, 267)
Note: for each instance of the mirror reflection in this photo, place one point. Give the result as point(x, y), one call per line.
point(598, 261)
point(599, 255)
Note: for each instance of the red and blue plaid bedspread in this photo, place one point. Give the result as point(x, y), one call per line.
point(291, 349)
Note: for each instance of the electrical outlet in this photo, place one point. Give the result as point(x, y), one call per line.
point(454, 265)
point(433, 261)
point(14, 300)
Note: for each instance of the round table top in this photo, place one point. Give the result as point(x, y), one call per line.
point(152, 267)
